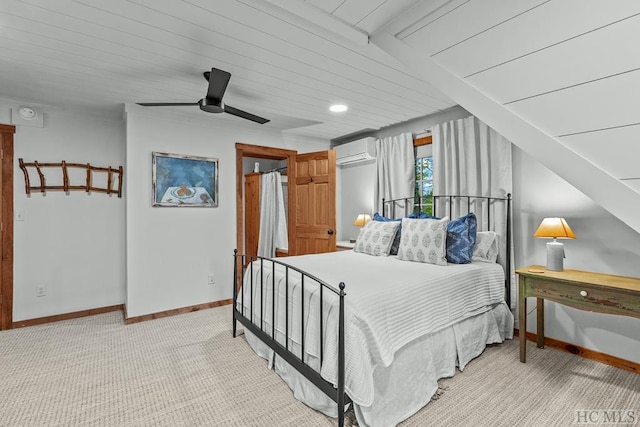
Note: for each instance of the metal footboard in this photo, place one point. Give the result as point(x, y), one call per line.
point(242, 263)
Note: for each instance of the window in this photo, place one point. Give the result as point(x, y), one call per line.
point(424, 185)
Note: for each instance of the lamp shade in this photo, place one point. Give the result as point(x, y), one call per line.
point(361, 220)
point(554, 228)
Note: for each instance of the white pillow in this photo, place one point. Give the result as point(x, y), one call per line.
point(376, 237)
point(486, 248)
point(424, 240)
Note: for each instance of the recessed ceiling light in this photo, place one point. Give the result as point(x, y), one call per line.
point(338, 108)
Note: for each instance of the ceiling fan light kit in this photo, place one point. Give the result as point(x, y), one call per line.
point(212, 102)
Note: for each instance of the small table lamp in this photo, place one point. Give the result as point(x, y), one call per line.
point(556, 228)
point(361, 221)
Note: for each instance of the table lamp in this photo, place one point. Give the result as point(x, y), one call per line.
point(556, 228)
point(361, 221)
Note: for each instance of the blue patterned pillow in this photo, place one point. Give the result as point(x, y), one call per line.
point(378, 217)
point(461, 239)
point(396, 242)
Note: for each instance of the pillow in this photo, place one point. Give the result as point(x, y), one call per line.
point(421, 215)
point(424, 240)
point(376, 238)
point(396, 241)
point(486, 249)
point(378, 217)
point(461, 239)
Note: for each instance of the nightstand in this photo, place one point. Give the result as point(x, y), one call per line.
point(584, 290)
point(344, 245)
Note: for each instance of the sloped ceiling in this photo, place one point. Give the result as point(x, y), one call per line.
point(561, 79)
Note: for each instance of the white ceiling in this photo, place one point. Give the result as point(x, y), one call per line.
point(287, 66)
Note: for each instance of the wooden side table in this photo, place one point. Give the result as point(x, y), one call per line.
point(344, 245)
point(584, 290)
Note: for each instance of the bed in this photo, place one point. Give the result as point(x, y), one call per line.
point(403, 326)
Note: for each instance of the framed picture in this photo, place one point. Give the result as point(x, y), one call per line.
point(184, 181)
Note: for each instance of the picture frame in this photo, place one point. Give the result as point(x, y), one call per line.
point(184, 181)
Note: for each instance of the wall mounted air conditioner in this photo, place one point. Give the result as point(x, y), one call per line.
point(356, 151)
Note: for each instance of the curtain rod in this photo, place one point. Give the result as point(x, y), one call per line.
point(274, 170)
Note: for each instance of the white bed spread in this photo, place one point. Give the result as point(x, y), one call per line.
point(408, 384)
point(389, 304)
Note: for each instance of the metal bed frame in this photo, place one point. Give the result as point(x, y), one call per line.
point(336, 393)
point(244, 262)
point(410, 202)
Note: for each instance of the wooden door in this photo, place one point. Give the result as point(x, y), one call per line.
point(315, 179)
point(6, 226)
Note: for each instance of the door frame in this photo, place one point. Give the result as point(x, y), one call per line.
point(261, 152)
point(6, 226)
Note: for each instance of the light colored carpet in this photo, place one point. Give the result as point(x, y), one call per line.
point(187, 370)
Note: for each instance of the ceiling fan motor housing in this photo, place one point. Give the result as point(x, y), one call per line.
point(211, 105)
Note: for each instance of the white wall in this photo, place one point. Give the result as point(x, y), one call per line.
point(354, 194)
point(603, 244)
point(171, 251)
point(71, 244)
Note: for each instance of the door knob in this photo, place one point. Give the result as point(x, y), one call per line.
point(330, 232)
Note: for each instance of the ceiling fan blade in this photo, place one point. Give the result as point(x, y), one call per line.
point(166, 104)
point(231, 110)
point(218, 81)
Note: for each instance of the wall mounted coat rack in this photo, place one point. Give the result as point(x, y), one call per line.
point(66, 186)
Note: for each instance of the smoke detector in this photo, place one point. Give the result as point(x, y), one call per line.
point(27, 113)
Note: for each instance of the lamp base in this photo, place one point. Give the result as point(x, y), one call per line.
point(555, 256)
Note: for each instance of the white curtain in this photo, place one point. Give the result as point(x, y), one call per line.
point(273, 221)
point(471, 159)
point(395, 172)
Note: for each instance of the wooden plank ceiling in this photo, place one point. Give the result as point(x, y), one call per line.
point(96, 55)
point(570, 68)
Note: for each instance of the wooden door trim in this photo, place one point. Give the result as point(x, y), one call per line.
point(258, 151)
point(6, 218)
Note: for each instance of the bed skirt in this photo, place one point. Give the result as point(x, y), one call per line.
point(405, 386)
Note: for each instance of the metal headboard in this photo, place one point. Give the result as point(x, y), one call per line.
point(414, 204)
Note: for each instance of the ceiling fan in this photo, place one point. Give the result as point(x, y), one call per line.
point(212, 102)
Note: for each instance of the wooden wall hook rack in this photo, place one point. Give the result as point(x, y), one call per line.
point(66, 187)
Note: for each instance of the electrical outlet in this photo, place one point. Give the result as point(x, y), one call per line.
point(41, 291)
point(211, 279)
